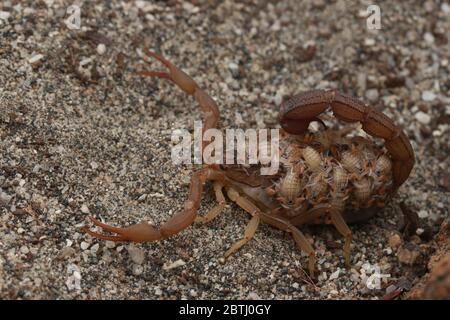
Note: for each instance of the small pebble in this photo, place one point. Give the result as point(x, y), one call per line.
point(84, 245)
point(445, 7)
point(137, 269)
point(253, 296)
point(174, 265)
point(234, 69)
point(4, 198)
point(110, 244)
point(372, 95)
point(84, 208)
point(428, 95)
point(429, 38)
point(136, 255)
point(391, 289)
point(66, 252)
point(335, 274)
point(422, 117)
point(94, 165)
point(423, 214)
point(24, 249)
point(35, 58)
point(369, 42)
point(193, 293)
point(94, 248)
point(4, 15)
point(101, 48)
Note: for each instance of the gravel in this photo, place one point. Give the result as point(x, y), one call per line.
point(81, 135)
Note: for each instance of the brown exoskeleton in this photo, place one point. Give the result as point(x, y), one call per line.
point(317, 185)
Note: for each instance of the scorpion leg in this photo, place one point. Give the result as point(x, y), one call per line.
point(143, 231)
point(250, 230)
point(214, 212)
point(299, 238)
point(341, 226)
point(188, 85)
point(305, 246)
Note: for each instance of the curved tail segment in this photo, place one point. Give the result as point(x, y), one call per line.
point(297, 112)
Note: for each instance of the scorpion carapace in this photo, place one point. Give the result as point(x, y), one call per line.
point(326, 177)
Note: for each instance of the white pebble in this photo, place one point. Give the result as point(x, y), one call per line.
point(94, 248)
point(423, 214)
point(190, 7)
point(4, 15)
point(372, 95)
point(35, 58)
point(334, 292)
point(278, 98)
point(84, 245)
point(422, 117)
point(390, 289)
point(233, 67)
point(419, 231)
point(253, 296)
point(137, 269)
point(84, 208)
point(101, 48)
point(429, 38)
point(445, 7)
point(94, 165)
point(335, 274)
point(428, 95)
point(85, 61)
point(193, 293)
point(369, 42)
point(24, 249)
point(110, 244)
point(174, 265)
point(5, 198)
point(136, 255)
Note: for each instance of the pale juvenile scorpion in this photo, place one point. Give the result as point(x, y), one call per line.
point(326, 177)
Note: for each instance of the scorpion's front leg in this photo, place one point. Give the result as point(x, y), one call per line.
point(218, 209)
point(257, 216)
point(143, 232)
point(250, 230)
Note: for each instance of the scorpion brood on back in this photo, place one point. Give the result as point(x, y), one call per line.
point(326, 177)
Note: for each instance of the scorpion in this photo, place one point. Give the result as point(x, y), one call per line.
point(326, 177)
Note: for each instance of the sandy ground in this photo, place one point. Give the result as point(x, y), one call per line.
point(80, 136)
